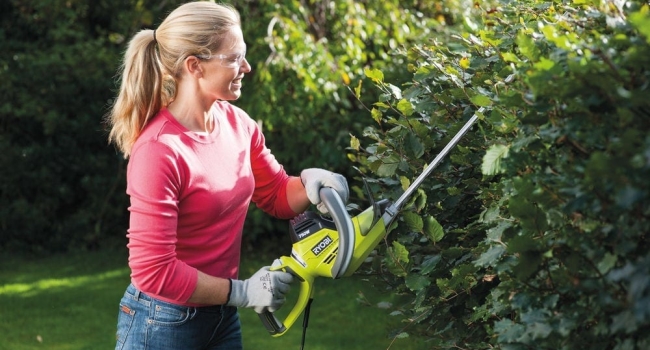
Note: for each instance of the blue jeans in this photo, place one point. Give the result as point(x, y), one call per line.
point(145, 323)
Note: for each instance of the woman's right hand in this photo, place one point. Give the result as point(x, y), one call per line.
point(264, 291)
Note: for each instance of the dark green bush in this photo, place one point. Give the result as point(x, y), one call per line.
point(61, 185)
point(544, 205)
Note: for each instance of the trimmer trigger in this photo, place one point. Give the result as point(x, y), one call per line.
point(288, 269)
point(291, 271)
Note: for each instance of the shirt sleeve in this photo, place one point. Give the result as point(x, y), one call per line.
point(154, 182)
point(270, 177)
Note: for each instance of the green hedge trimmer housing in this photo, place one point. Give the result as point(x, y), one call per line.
point(335, 247)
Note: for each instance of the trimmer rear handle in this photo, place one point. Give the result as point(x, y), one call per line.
point(318, 265)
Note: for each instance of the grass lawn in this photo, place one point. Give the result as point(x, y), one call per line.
point(70, 302)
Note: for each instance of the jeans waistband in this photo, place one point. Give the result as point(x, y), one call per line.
point(145, 299)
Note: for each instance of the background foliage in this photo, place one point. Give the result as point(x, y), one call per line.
point(306, 55)
point(63, 187)
point(533, 234)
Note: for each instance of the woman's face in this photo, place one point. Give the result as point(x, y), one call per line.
point(224, 70)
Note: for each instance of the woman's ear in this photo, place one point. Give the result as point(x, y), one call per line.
point(192, 65)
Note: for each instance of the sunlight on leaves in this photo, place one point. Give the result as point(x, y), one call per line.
point(492, 160)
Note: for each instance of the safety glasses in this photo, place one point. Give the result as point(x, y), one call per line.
point(232, 60)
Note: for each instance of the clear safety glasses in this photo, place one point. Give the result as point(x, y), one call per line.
point(232, 60)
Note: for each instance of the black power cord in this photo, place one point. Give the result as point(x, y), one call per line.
point(305, 323)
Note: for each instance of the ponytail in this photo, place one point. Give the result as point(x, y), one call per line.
point(140, 95)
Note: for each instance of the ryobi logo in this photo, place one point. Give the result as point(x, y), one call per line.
point(324, 243)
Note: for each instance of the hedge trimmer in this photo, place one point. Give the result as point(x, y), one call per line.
point(335, 247)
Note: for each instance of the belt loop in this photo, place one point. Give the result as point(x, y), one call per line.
point(136, 295)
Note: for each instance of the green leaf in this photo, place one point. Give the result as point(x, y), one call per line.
point(433, 229)
point(546, 64)
point(641, 22)
point(416, 282)
point(481, 100)
point(511, 57)
point(491, 256)
point(417, 200)
point(397, 259)
point(530, 216)
point(354, 143)
point(429, 263)
point(460, 159)
point(405, 182)
point(376, 115)
point(357, 90)
point(507, 330)
point(453, 191)
point(397, 92)
point(539, 330)
point(492, 160)
point(413, 145)
point(552, 35)
point(383, 105)
point(489, 37)
point(405, 107)
point(388, 166)
point(375, 74)
point(494, 234)
point(422, 73)
point(528, 265)
point(607, 263)
point(522, 244)
point(490, 214)
point(527, 46)
point(420, 200)
point(413, 221)
point(400, 252)
point(387, 169)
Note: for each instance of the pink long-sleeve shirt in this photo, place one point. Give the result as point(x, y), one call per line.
point(189, 197)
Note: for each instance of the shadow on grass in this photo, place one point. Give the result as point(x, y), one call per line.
point(61, 302)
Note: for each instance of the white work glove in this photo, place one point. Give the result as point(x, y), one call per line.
point(264, 291)
point(314, 179)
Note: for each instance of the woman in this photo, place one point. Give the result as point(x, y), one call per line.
point(195, 163)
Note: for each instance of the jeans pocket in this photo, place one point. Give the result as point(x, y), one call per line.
point(124, 323)
point(170, 315)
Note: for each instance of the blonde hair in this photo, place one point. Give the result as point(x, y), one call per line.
point(153, 62)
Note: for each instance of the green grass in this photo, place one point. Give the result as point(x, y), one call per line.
point(70, 303)
point(62, 302)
